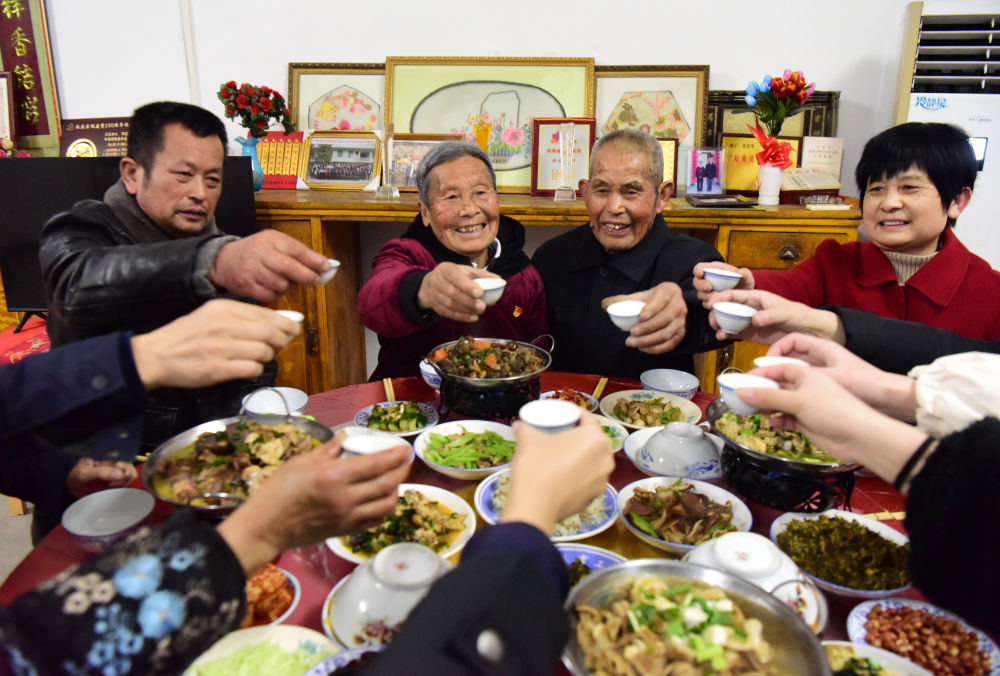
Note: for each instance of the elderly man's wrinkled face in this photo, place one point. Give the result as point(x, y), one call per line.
point(463, 213)
point(180, 191)
point(621, 199)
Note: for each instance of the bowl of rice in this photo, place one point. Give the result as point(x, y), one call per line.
point(599, 515)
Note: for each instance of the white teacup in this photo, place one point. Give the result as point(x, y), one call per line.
point(364, 440)
point(329, 274)
point(625, 313)
point(492, 288)
point(730, 382)
point(774, 360)
point(550, 415)
point(294, 315)
point(722, 279)
point(733, 317)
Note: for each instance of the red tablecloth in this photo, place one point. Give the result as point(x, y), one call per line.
point(318, 569)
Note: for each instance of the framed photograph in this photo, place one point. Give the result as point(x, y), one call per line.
point(728, 114)
point(669, 148)
point(405, 153)
point(740, 154)
point(336, 96)
point(341, 160)
point(665, 101)
point(6, 105)
point(546, 162)
point(25, 51)
point(704, 171)
point(501, 96)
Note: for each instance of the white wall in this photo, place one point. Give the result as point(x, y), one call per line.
point(114, 55)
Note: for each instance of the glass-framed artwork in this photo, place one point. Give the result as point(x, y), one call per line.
point(740, 157)
point(453, 95)
point(727, 113)
point(405, 153)
point(704, 171)
point(664, 101)
point(336, 96)
point(546, 163)
point(341, 160)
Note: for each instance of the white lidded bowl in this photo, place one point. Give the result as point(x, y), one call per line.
point(730, 382)
point(456, 427)
point(272, 400)
point(294, 315)
point(551, 415)
point(758, 560)
point(733, 317)
point(430, 376)
point(741, 518)
point(672, 381)
point(492, 288)
point(97, 520)
point(678, 449)
point(722, 279)
point(384, 588)
point(625, 313)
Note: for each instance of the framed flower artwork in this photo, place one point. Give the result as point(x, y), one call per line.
point(546, 163)
point(341, 160)
point(405, 153)
point(664, 101)
point(336, 96)
point(500, 96)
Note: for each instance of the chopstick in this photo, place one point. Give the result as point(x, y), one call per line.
point(599, 390)
point(390, 393)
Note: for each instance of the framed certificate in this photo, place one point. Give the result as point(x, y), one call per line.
point(546, 163)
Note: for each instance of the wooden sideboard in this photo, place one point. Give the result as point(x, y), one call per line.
point(330, 351)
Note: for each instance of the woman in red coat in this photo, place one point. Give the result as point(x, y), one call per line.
point(422, 290)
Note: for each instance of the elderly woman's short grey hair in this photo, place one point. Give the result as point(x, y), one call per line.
point(446, 152)
point(632, 141)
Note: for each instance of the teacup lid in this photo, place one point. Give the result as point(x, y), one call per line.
point(747, 554)
point(406, 564)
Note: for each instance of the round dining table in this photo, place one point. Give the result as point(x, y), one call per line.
point(318, 569)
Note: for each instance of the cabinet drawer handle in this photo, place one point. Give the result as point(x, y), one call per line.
point(312, 341)
point(789, 253)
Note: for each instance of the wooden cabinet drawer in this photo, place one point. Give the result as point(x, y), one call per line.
point(775, 250)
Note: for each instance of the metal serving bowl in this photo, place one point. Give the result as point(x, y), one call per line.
point(796, 649)
point(488, 384)
point(718, 408)
point(171, 446)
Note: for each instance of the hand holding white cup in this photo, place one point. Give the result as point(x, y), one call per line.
point(625, 313)
point(492, 288)
point(550, 415)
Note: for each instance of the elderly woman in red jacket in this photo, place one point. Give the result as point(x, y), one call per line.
point(422, 290)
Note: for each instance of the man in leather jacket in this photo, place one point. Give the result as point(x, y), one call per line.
point(151, 252)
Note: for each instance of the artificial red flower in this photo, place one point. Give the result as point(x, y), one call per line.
point(266, 105)
point(254, 109)
point(241, 101)
point(230, 111)
point(231, 84)
point(224, 93)
point(286, 112)
point(261, 124)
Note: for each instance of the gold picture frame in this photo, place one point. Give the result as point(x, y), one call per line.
point(341, 160)
point(405, 153)
point(449, 94)
point(341, 93)
point(681, 90)
point(668, 147)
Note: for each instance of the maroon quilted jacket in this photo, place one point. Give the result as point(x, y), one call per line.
point(387, 303)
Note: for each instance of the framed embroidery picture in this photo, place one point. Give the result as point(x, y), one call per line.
point(336, 96)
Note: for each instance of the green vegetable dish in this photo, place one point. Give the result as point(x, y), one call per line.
point(845, 553)
point(755, 432)
point(400, 417)
point(469, 450)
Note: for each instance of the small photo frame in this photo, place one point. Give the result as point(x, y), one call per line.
point(740, 153)
point(669, 148)
point(405, 153)
point(704, 171)
point(546, 166)
point(6, 105)
point(341, 160)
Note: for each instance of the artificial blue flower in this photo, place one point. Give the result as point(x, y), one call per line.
point(139, 577)
point(129, 643)
point(752, 88)
point(161, 613)
point(751, 100)
point(100, 653)
point(765, 85)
